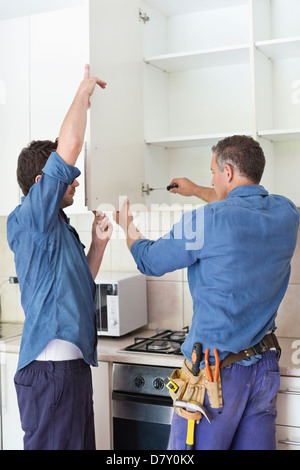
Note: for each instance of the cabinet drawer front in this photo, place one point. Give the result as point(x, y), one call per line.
point(288, 402)
point(287, 438)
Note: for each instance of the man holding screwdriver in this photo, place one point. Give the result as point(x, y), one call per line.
point(237, 250)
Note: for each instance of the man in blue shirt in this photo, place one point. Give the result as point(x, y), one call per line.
point(59, 341)
point(237, 250)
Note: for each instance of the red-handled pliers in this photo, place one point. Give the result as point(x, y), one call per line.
point(208, 368)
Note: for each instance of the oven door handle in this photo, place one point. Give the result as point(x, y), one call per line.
point(146, 399)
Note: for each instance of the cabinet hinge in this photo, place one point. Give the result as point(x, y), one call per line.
point(146, 189)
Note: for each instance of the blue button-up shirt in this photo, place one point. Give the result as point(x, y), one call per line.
point(238, 254)
point(57, 287)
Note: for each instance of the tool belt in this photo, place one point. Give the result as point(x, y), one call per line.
point(191, 388)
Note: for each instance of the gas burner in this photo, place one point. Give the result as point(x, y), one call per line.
point(158, 346)
point(178, 335)
point(164, 342)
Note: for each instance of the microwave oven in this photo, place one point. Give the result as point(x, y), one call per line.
point(121, 303)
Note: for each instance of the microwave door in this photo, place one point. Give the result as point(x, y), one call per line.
point(105, 291)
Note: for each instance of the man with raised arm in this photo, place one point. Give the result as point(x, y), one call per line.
point(59, 341)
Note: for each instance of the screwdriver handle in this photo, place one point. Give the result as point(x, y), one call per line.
point(171, 186)
point(196, 357)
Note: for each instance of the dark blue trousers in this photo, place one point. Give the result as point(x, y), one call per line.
point(56, 405)
point(247, 419)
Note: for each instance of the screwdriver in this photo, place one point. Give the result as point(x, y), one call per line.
point(196, 357)
point(171, 186)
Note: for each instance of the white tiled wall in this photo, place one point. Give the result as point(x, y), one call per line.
point(169, 300)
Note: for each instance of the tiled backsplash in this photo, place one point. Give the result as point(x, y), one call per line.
point(169, 299)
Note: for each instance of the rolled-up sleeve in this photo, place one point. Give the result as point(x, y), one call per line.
point(41, 206)
point(57, 168)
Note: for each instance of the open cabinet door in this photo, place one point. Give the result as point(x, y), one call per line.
point(115, 143)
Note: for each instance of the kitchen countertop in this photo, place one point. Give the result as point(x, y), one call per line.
point(109, 350)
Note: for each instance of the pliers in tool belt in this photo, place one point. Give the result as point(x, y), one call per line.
point(208, 371)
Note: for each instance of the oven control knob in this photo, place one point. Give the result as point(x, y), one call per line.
point(139, 381)
point(158, 383)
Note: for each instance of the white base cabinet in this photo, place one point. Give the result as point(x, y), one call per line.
point(102, 405)
point(12, 434)
point(288, 414)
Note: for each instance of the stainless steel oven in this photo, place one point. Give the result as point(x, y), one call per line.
point(141, 407)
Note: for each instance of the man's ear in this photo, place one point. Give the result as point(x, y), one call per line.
point(229, 172)
point(37, 178)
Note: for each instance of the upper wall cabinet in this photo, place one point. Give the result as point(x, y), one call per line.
point(276, 72)
point(59, 49)
point(115, 160)
point(14, 105)
point(181, 76)
point(42, 57)
point(178, 80)
point(210, 69)
point(197, 85)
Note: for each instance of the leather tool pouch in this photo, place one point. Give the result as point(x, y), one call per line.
point(192, 388)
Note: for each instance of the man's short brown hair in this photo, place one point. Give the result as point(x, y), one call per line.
point(31, 162)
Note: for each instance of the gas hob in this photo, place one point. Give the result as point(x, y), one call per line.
point(164, 342)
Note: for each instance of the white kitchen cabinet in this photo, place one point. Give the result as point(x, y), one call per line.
point(42, 58)
point(276, 36)
point(12, 434)
point(204, 64)
point(58, 52)
point(115, 163)
point(287, 438)
point(101, 377)
point(58, 44)
point(186, 79)
point(210, 69)
point(181, 76)
point(288, 414)
point(14, 105)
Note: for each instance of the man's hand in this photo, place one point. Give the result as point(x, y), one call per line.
point(102, 228)
point(124, 219)
point(72, 131)
point(186, 187)
point(88, 84)
point(101, 233)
